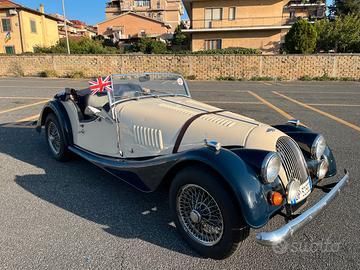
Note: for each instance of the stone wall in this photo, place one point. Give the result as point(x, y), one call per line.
point(204, 67)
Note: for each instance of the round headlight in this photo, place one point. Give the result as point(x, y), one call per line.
point(270, 167)
point(318, 147)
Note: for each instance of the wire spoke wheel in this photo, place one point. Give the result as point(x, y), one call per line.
point(199, 215)
point(54, 137)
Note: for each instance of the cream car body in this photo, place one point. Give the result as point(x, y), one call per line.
point(149, 130)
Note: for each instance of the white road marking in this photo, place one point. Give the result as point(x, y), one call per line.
point(231, 102)
point(334, 105)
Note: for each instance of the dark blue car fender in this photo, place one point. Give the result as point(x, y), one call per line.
point(55, 107)
point(243, 181)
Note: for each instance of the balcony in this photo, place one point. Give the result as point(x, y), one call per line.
point(241, 24)
point(112, 9)
point(114, 4)
point(306, 3)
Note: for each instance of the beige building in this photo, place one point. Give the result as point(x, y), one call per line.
point(22, 28)
point(258, 24)
point(167, 11)
point(132, 25)
point(75, 28)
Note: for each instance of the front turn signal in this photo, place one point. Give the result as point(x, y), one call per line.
point(276, 198)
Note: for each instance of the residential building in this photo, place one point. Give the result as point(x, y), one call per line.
point(22, 28)
point(167, 11)
point(258, 24)
point(131, 26)
point(75, 28)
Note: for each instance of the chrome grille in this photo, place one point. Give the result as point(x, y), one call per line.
point(292, 159)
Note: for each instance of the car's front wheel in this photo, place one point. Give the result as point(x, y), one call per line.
point(55, 138)
point(205, 213)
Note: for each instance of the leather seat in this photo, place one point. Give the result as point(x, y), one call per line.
point(97, 102)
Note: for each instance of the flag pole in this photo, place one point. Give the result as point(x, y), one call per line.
point(66, 30)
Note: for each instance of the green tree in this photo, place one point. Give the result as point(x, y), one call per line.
point(179, 37)
point(325, 35)
point(149, 46)
point(341, 35)
point(301, 38)
point(345, 7)
point(347, 33)
point(78, 46)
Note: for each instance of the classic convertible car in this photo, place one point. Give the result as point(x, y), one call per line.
point(226, 173)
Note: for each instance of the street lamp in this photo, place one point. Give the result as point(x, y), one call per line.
point(65, 24)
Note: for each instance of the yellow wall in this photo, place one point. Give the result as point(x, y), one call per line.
point(46, 32)
point(15, 33)
point(266, 40)
point(248, 12)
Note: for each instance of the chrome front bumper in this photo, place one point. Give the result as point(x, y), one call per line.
point(285, 232)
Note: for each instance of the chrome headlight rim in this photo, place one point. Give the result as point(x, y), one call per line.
point(271, 159)
point(292, 189)
point(317, 152)
point(322, 169)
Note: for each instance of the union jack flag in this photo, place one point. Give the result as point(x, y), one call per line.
point(7, 37)
point(100, 85)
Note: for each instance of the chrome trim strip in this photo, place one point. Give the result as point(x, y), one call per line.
point(294, 122)
point(285, 232)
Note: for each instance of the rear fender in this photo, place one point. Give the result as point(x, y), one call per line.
point(55, 107)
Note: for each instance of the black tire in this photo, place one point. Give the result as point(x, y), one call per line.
point(234, 229)
point(61, 152)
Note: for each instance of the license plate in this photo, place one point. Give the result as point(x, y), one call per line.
point(303, 192)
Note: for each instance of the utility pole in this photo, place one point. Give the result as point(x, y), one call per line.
point(66, 30)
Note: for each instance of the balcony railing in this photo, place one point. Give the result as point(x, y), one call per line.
point(242, 22)
point(306, 3)
point(112, 4)
point(250, 22)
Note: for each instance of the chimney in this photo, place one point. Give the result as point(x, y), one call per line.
point(41, 9)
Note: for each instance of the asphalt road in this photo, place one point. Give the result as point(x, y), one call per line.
point(75, 216)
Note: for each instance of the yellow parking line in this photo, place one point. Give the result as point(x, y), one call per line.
point(335, 118)
point(23, 107)
point(38, 98)
point(272, 106)
point(30, 118)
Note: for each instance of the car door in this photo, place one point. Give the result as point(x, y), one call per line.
point(99, 136)
point(98, 132)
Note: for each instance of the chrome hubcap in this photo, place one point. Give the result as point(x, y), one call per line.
point(53, 137)
point(195, 216)
point(199, 215)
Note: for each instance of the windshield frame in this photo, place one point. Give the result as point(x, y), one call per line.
point(110, 96)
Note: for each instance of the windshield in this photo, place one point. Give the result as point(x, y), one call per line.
point(149, 84)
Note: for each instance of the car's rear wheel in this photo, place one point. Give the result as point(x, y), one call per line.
point(55, 138)
point(205, 213)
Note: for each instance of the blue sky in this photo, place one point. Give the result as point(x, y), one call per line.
point(89, 11)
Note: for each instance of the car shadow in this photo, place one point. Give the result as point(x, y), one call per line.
point(81, 188)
